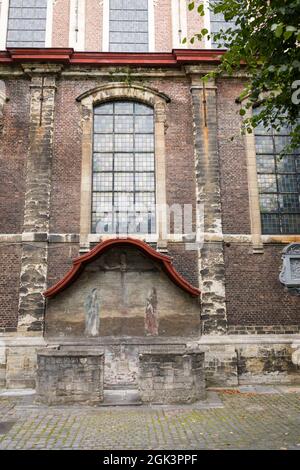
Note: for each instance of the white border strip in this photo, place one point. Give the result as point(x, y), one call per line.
point(207, 24)
point(105, 33)
point(179, 22)
point(151, 26)
point(49, 23)
point(3, 23)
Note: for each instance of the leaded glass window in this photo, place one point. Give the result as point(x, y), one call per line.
point(128, 26)
point(123, 168)
point(26, 23)
point(278, 182)
point(218, 23)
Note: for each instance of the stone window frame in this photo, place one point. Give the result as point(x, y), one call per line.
point(258, 238)
point(4, 10)
point(112, 92)
point(151, 26)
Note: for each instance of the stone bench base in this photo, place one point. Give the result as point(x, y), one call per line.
point(66, 377)
point(166, 378)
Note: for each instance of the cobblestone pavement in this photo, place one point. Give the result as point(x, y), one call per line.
point(245, 418)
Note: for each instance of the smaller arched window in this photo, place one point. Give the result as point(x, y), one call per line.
point(123, 187)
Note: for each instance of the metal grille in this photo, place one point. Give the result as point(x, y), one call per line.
point(218, 23)
point(278, 181)
point(26, 23)
point(123, 169)
point(128, 26)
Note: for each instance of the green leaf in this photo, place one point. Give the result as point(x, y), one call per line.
point(184, 41)
point(204, 31)
point(242, 112)
point(191, 6)
point(200, 9)
point(291, 28)
point(283, 68)
point(279, 31)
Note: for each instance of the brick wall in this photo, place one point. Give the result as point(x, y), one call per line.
point(186, 262)
point(10, 262)
point(61, 23)
point(233, 169)
point(195, 23)
point(66, 165)
point(93, 25)
point(60, 256)
point(14, 140)
point(255, 296)
point(163, 26)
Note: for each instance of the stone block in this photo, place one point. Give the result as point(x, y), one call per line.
point(182, 381)
point(66, 377)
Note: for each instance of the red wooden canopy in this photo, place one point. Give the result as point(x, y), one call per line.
point(79, 263)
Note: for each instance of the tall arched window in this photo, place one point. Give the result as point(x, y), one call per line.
point(123, 188)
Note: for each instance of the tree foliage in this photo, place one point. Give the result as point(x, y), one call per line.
point(265, 42)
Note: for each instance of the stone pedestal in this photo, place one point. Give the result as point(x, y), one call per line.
point(166, 378)
point(66, 377)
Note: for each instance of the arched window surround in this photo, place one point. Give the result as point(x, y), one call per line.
point(112, 92)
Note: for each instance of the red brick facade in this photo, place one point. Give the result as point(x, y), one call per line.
point(256, 302)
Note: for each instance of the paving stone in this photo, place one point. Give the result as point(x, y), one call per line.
point(227, 419)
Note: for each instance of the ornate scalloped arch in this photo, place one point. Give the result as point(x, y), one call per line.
point(79, 263)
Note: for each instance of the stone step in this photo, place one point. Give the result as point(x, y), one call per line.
point(121, 397)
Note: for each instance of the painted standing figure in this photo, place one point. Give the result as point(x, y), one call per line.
point(151, 320)
point(92, 317)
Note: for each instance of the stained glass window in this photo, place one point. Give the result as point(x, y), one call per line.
point(26, 23)
point(128, 26)
point(123, 168)
point(278, 182)
point(218, 23)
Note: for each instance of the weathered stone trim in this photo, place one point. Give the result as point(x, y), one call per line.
point(2, 103)
point(241, 239)
point(109, 92)
point(211, 256)
point(34, 259)
point(253, 193)
point(3, 23)
point(263, 329)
